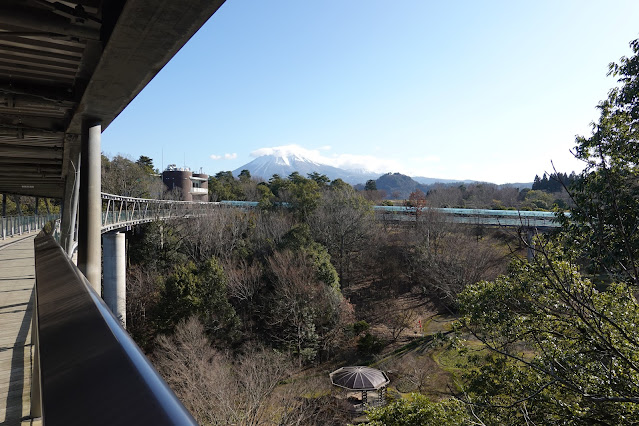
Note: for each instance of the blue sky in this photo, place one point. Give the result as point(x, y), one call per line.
point(486, 90)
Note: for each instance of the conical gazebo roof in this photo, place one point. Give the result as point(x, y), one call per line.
point(359, 378)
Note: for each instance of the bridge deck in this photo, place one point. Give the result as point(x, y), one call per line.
point(17, 279)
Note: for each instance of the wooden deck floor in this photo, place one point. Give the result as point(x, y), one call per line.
point(17, 279)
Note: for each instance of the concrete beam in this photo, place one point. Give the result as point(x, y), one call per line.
point(45, 22)
point(51, 188)
point(159, 28)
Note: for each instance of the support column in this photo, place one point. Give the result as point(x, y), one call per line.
point(4, 205)
point(115, 274)
point(89, 247)
point(71, 196)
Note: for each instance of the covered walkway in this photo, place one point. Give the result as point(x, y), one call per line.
point(17, 279)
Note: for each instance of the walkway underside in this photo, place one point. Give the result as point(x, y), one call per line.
point(65, 62)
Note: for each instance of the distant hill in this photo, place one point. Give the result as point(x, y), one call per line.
point(399, 186)
point(430, 181)
point(520, 185)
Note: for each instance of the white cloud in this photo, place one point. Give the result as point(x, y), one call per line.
point(225, 156)
point(344, 161)
point(286, 150)
point(430, 159)
point(365, 162)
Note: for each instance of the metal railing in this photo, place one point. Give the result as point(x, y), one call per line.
point(485, 217)
point(482, 217)
point(18, 225)
point(121, 212)
point(87, 369)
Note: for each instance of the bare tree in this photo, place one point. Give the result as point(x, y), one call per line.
point(215, 388)
point(302, 312)
point(269, 228)
point(142, 295)
point(398, 318)
point(217, 234)
point(454, 261)
point(123, 176)
point(343, 222)
point(244, 280)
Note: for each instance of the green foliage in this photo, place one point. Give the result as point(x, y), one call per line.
point(565, 348)
point(192, 290)
point(542, 200)
point(604, 221)
point(537, 200)
point(146, 163)
point(339, 184)
point(305, 195)
point(370, 344)
point(244, 176)
point(124, 177)
point(555, 182)
point(301, 313)
point(265, 196)
point(417, 410)
point(223, 186)
point(27, 205)
point(360, 327)
point(299, 239)
point(370, 185)
point(398, 185)
point(321, 180)
point(603, 224)
point(157, 246)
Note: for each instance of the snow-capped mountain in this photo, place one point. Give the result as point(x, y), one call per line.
point(266, 166)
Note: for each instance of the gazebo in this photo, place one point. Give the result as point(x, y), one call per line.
point(362, 380)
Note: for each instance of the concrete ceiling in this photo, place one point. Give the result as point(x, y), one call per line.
point(65, 61)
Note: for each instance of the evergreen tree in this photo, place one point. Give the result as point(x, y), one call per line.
point(564, 338)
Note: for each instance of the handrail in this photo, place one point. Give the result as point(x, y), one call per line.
point(11, 226)
point(91, 371)
point(122, 212)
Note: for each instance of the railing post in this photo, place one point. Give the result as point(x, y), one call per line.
point(36, 389)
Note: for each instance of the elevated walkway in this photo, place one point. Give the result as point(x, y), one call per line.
point(17, 280)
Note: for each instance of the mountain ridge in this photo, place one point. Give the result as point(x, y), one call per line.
point(268, 165)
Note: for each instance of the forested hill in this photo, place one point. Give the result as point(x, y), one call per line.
point(399, 186)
